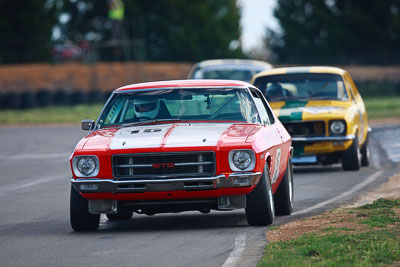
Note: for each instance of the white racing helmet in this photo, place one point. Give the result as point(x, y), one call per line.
point(146, 108)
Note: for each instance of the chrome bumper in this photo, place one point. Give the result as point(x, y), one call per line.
point(324, 139)
point(95, 185)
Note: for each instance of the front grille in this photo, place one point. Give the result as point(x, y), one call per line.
point(164, 165)
point(305, 129)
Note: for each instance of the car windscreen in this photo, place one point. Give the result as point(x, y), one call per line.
point(302, 86)
point(228, 72)
point(206, 104)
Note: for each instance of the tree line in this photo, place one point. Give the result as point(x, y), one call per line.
point(311, 31)
point(162, 30)
point(336, 32)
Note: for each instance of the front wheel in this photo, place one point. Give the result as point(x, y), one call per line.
point(283, 197)
point(350, 160)
point(365, 154)
point(260, 209)
point(80, 218)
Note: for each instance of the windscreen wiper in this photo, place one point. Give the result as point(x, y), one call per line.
point(148, 122)
point(324, 97)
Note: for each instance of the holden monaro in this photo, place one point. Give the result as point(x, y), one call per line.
point(322, 110)
point(178, 146)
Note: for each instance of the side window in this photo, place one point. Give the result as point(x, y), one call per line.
point(265, 112)
point(348, 85)
point(262, 111)
point(120, 110)
point(114, 114)
point(354, 88)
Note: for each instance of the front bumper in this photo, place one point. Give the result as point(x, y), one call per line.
point(308, 149)
point(234, 180)
point(305, 140)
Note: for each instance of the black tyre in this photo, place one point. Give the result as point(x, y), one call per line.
point(28, 100)
point(283, 197)
point(44, 98)
point(96, 96)
point(11, 100)
point(80, 218)
point(78, 96)
point(260, 202)
point(350, 160)
point(121, 215)
point(365, 154)
point(62, 97)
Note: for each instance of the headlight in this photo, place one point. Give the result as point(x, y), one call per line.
point(337, 127)
point(242, 160)
point(85, 166)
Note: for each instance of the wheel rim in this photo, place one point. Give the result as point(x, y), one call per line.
point(271, 202)
point(290, 186)
point(359, 155)
point(367, 153)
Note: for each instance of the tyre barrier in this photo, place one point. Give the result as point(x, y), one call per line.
point(44, 98)
point(28, 100)
point(78, 97)
point(107, 96)
point(62, 98)
point(96, 96)
point(11, 100)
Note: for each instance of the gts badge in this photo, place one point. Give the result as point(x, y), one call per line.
point(163, 165)
point(146, 131)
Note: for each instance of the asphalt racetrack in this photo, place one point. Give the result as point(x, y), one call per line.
point(34, 211)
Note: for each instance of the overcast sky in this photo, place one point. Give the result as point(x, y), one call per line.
point(256, 16)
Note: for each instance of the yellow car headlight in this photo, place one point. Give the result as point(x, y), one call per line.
point(337, 127)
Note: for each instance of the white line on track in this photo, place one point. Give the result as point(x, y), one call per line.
point(7, 189)
point(238, 248)
point(355, 188)
point(35, 156)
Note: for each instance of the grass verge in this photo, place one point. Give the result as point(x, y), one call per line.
point(383, 107)
point(364, 236)
point(386, 107)
point(50, 115)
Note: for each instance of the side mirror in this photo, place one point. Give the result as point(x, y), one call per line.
point(87, 124)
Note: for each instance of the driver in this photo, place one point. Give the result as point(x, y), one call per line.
point(146, 108)
point(274, 92)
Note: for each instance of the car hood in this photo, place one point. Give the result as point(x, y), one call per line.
point(169, 135)
point(309, 110)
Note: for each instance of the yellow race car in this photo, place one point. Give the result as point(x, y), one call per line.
point(322, 110)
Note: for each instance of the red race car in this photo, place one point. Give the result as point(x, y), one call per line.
point(182, 145)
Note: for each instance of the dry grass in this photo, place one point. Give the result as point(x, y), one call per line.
point(111, 75)
point(103, 76)
point(340, 219)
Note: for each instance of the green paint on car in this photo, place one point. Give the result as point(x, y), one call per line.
point(292, 111)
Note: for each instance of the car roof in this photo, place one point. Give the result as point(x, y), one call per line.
point(300, 70)
point(184, 83)
point(215, 62)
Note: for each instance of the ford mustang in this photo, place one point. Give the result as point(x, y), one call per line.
point(322, 110)
point(179, 146)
